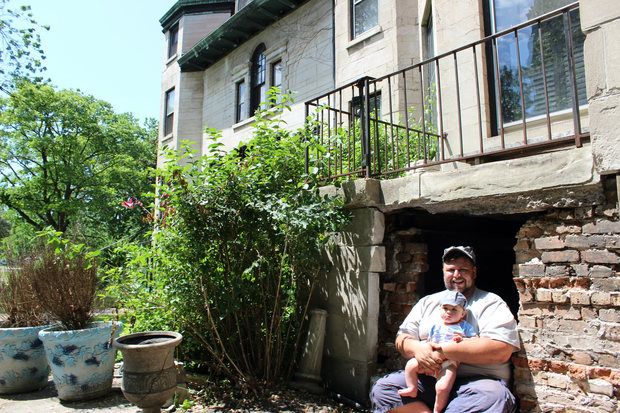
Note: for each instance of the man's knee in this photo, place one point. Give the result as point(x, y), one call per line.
point(484, 395)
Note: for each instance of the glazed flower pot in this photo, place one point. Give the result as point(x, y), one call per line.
point(23, 366)
point(82, 361)
point(149, 373)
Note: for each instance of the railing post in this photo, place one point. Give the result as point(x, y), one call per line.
point(364, 92)
point(573, 77)
point(307, 151)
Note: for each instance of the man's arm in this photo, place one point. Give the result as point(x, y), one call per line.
point(428, 359)
point(477, 350)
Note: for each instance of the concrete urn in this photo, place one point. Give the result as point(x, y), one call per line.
point(149, 372)
point(82, 361)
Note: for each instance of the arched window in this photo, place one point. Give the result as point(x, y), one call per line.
point(257, 78)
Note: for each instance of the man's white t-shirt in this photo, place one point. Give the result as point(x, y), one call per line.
point(486, 312)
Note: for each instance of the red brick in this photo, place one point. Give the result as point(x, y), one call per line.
point(598, 372)
point(537, 364)
point(519, 283)
point(577, 372)
point(600, 257)
point(411, 286)
point(600, 271)
point(558, 282)
point(389, 287)
point(529, 231)
point(403, 257)
point(522, 244)
point(401, 288)
point(559, 367)
point(549, 243)
point(614, 378)
point(560, 256)
point(584, 241)
point(584, 283)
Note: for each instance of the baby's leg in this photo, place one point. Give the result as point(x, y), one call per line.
point(444, 384)
point(411, 378)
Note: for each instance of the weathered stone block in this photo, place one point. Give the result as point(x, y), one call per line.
point(549, 243)
point(532, 270)
point(543, 295)
point(601, 298)
point(599, 271)
point(594, 13)
point(560, 256)
point(602, 226)
point(585, 241)
point(579, 297)
point(610, 315)
point(599, 386)
point(600, 257)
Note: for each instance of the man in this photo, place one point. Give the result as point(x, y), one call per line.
point(484, 367)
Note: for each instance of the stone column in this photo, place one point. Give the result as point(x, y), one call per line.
point(308, 377)
point(600, 21)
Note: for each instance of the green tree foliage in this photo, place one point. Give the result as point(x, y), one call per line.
point(235, 254)
point(21, 54)
point(67, 160)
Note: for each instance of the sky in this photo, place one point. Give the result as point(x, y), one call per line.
point(111, 49)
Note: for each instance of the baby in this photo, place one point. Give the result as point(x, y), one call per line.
point(452, 328)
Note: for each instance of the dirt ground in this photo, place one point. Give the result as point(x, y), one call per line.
point(201, 401)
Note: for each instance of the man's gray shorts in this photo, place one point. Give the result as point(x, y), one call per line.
point(468, 394)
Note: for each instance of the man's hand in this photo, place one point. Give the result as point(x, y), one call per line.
point(429, 359)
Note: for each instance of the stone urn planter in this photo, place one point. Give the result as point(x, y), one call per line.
point(82, 361)
point(23, 366)
point(149, 372)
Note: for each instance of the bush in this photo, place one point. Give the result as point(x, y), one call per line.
point(19, 301)
point(64, 278)
point(235, 253)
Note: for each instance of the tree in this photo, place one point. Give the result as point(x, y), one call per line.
point(66, 159)
point(21, 54)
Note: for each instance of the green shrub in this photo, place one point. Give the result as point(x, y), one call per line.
point(235, 252)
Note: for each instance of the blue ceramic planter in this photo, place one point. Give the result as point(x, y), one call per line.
point(23, 366)
point(82, 361)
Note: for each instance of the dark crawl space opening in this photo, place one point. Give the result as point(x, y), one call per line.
point(492, 237)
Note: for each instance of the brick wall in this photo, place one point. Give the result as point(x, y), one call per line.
point(407, 262)
point(569, 320)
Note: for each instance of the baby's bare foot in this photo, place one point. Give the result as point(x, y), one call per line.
point(408, 392)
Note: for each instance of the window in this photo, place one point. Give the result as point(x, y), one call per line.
point(555, 80)
point(276, 74)
point(364, 16)
point(374, 105)
point(240, 101)
point(169, 112)
point(257, 76)
point(173, 41)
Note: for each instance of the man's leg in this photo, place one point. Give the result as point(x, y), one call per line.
point(384, 394)
point(482, 395)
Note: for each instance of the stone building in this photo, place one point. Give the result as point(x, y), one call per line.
point(492, 123)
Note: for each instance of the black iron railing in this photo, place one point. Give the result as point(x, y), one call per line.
point(519, 89)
